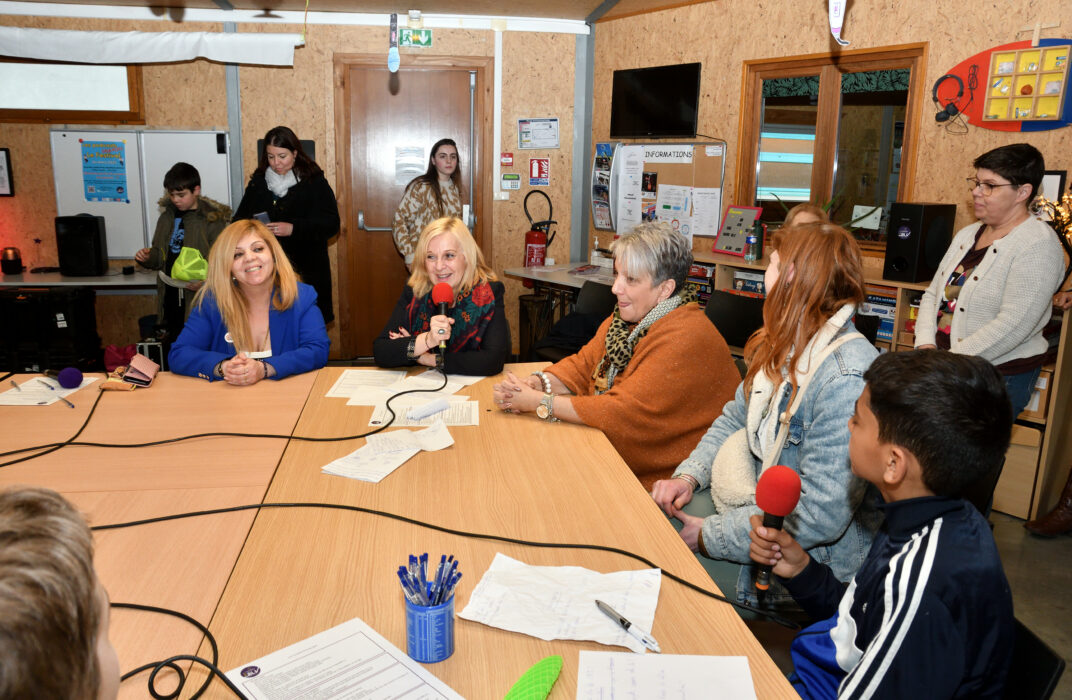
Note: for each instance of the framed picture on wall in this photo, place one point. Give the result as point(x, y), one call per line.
point(7, 183)
point(1053, 186)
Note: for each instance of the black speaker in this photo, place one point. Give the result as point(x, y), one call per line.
point(48, 328)
point(82, 246)
point(916, 239)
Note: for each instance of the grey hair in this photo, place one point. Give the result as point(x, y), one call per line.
point(656, 249)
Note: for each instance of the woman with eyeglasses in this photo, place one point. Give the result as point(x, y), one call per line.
point(991, 295)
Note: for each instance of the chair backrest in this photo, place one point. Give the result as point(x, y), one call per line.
point(1035, 667)
point(595, 298)
point(868, 326)
point(735, 316)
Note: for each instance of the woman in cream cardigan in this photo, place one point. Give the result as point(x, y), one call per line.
point(992, 293)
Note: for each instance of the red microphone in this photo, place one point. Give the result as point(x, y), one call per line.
point(777, 494)
point(442, 294)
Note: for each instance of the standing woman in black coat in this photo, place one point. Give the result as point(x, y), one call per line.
point(290, 188)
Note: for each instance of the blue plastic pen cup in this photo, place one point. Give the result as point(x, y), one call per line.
point(430, 631)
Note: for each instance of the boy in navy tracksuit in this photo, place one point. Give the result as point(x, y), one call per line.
point(929, 614)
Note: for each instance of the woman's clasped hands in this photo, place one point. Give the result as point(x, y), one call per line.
point(515, 395)
point(241, 370)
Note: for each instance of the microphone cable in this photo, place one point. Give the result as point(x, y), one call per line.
point(72, 441)
point(458, 533)
point(170, 662)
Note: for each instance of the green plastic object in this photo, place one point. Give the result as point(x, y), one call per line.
point(189, 266)
point(536, 683)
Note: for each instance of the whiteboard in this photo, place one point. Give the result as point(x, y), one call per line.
point(130, 217)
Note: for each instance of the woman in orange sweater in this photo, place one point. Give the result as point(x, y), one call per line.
point(656, 374)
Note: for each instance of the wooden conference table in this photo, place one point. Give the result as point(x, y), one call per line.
point(304, 570)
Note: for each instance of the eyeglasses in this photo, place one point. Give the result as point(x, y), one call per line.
point(986, 187)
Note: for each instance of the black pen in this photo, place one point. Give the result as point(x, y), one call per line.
point(14, 384)
point(646, 639)
point(62, 398)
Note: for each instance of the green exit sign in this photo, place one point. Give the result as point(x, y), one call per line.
point(415, 37)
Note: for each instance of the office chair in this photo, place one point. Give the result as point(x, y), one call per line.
point(735, 316)
point(868, 326)
point(1035, 667)
point(595, 302)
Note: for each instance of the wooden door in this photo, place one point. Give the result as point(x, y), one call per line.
point(382, 114)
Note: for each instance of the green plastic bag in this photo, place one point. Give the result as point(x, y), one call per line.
point(190, 266)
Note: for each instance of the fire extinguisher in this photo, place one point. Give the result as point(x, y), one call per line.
point(539, 237)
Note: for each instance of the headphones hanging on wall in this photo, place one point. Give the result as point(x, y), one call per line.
point(950, 110)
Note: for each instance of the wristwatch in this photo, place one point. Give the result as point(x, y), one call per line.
point(546, 409)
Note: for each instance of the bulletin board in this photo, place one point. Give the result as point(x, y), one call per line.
point(120, 174)
point(676, 182)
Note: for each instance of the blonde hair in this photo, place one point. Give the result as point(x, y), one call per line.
point(476, 270)
point(820, 271)
point(232, 303)
point(50, 616)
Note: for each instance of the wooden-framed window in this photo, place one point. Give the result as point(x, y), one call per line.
point(70, 93)
point(833, 127)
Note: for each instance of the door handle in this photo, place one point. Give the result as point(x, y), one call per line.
point(361, 223)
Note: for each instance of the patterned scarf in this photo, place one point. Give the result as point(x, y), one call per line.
point(622, 338)
point(472, 312)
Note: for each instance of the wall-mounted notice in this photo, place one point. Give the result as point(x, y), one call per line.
point(539, 172)
point(104, 171)
point(537, 133)
point(667, 154)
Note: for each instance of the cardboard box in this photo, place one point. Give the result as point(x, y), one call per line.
point(1040, 398)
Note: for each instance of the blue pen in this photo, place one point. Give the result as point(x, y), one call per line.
point(63, 399)
point(406, 590)
point(438, 582)
point(424, 576)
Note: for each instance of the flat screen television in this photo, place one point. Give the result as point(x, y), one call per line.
point(659, 102)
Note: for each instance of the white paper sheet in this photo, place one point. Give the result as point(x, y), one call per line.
point(616, 674)
point(433, 438)
point(378, 395)
point(351, 660)
point(352, 380)
point(382, 453)
point(457, 413)
point(34, 392)
point(706, 210)
point(558, 602)
point(629, 205)
point(463, 379)
point(365, 464)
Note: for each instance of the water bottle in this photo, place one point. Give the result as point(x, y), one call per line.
point(751, 245)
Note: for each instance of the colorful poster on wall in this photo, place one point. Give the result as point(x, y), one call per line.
point(104, 171)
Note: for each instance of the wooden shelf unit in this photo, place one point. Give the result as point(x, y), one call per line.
point(1038, 459)
point(1027, 84)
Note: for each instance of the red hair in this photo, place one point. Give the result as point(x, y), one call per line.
point(821, 271)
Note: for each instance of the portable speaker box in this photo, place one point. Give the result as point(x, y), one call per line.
point(82, 245)
point(48, 328)
point(916, 239)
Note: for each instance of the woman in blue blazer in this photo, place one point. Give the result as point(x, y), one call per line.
point(252, 320)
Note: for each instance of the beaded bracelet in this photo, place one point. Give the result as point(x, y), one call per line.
point(546, 381)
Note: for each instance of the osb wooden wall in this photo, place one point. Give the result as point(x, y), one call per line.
point(724, 34)
point(537, 81)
